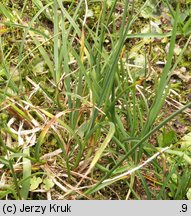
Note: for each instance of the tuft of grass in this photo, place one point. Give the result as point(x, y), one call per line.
point(76, 112)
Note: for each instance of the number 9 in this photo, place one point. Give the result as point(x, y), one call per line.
point(184, 208)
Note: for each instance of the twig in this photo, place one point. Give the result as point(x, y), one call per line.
point(136, 168)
